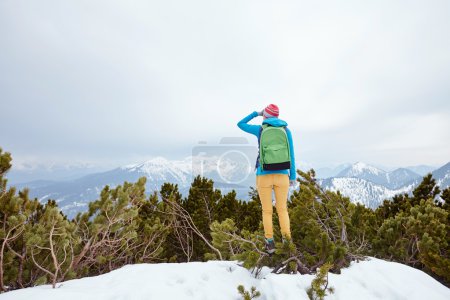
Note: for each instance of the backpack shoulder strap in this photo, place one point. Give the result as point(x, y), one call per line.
point(261, 128)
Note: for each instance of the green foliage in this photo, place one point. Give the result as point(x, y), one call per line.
point(17, 215)
point(172, 251)
point(121, 227)
point(445, 203)
point(324, 224)
point(319, 285)
point(446, 198)
point(248, 295)
point(427, 189)
point(248, 215)
point(41, 280)
point(416, 230)
point(417, 237)
point(5, 163)
point(224, 238)
point(51, 242)
point(201, 204)
point(390, 208)
point(151, 233)
point(227, 207)
point(237, 245)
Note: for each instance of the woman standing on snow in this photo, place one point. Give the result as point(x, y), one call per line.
point(275, 168)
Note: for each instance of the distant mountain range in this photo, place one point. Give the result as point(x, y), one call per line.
point(392, 180)
point(32, 171)
point(334, 172)
point(74, 195)
point(370, 186)
point(361, 182)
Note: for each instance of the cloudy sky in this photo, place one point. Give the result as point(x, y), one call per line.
point(116, 82)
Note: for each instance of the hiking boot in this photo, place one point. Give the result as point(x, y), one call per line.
point(270, 246)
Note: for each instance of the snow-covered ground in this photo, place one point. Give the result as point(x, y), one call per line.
point(371, 279)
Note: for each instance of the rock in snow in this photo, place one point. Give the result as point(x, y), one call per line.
point(371, 279)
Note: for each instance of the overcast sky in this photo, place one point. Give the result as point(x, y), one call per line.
point(116, 82)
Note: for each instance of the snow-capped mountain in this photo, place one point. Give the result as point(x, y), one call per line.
point(222, 170)
point(369, 185)
point(397, 178)
point(160, 170)
point(73, 196)
point(363, 191)
point(361, 169)
point(441, 175)
point(392, 180)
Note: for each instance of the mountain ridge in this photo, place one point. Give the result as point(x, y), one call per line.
point(361, 182)
point(370, 190)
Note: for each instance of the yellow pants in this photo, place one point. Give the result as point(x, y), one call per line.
point(280, 184)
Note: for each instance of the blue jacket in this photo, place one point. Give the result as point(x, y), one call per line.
point(256, 130)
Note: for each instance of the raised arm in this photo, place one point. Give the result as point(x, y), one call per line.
point(243, 124)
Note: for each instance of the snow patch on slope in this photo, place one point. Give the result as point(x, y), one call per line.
point(363, 191)
point(360, 167)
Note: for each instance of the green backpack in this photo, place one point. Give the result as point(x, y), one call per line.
point(274, 149)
